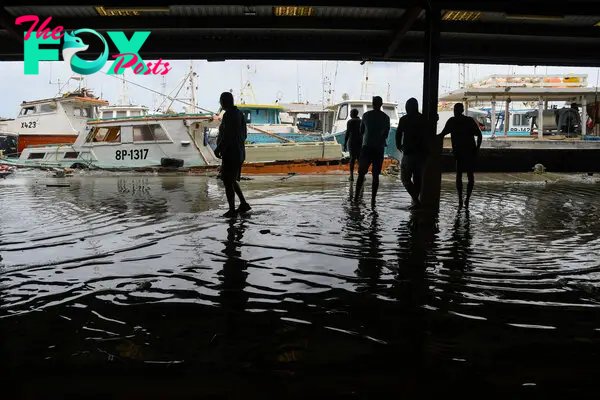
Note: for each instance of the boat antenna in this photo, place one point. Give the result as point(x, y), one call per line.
point(334, 82)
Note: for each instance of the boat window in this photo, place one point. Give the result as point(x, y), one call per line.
point(71, 154)
point(110, 135)
point(520, 119)
point(99, 135)
point(113, 135)
point(47, 108)
point(343, 113)
point(360, 108)
point(77, 112)
point(121, 114)
point(134, 113)
point(390, 111)
point(148, 133)
point(36, 156)
point(27, 110)
point(87, 112)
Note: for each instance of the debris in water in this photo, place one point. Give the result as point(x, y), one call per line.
point(539, 169)
point(265, 231)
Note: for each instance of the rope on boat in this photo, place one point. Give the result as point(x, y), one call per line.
point(271, 134)
point(159, 93)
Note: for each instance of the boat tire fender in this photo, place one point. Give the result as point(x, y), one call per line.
point(171, 162)
point(79, 166)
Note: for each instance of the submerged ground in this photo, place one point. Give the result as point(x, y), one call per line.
point(114, 274)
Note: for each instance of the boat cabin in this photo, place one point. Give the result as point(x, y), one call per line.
point(120, 111)
point(261, 114)
point(342, 112)
point(55, 120)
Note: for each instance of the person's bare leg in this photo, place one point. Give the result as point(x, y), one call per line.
point(470, 186)
point(230, 193)
point(359, 185)
point(459, 188)
point(244, 206)
point(238, 191)
point(374, 188)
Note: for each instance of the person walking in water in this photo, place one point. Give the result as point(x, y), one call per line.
point(463, 130)
point(231, 149)
point(375, 128)
point(354, 138)
point(411, 141)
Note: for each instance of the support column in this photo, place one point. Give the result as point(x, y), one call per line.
point(507, 117)
point(493, 117)
point(583, 115)
point(432, 175)
point(540, 118)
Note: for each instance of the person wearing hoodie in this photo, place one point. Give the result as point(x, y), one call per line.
point(411, 140)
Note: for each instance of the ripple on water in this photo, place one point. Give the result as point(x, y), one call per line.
point(524, 257)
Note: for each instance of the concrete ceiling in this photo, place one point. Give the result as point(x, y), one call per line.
point(545, 33)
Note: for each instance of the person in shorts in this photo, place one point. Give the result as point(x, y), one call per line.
point(463, 130)
point(232, 151)
point(375, 128)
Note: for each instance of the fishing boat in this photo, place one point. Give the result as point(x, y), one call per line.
point(8, 144)
point(546, 143)
point(134, 142)
point(174, 142)
point(341, 114)
point(5, 171)
point(55, 120)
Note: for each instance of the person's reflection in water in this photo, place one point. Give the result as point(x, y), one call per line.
point(416, 241)
point(371, 260)
point(233, 275)
point(460, 253)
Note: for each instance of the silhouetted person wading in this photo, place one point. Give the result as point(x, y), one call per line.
point(354, 139)
point(411, 141)
point(230, 148)
point(375, 128)
point(463, 130)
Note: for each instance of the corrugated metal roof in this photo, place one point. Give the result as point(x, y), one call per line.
point(54, 11)
point(211, 11)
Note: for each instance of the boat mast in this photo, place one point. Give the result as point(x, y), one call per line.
point(364, 86)
point(123, 98)
point(193, 87)
point(298, 86)
point(246, 90)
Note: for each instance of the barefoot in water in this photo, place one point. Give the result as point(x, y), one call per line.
point(230, 214)
point(244, 208)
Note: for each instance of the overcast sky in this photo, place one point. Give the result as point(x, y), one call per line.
point(272, 79)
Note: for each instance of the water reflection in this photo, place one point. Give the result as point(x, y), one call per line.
point(513, 279)
point(370, 262)
point(234, 274)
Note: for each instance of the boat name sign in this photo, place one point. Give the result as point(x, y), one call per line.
point(128, 56)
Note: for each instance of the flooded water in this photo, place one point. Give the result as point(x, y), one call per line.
point(143, 270)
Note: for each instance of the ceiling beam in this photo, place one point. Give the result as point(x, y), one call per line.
point(571, 7)
point(404, 24)
point(525, 30)
point(223, 23)
point(263, 3)
point(7, 22)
